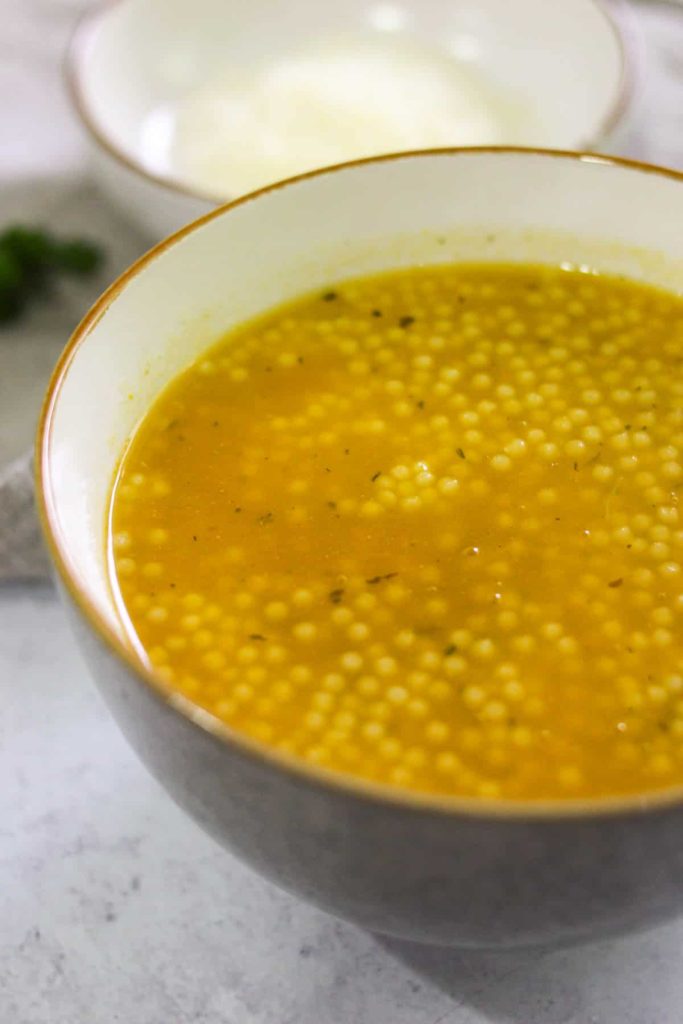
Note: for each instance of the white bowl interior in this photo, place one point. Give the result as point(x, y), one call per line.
point(301, 236)
point(558, 65)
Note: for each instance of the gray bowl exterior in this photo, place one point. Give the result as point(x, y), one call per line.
point(420, 874)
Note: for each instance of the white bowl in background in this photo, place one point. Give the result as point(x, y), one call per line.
point(562, 66)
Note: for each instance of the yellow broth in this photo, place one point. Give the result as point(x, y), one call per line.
point(424, 528)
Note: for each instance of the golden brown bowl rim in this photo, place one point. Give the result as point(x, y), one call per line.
point(89, 22)
point(344, 783)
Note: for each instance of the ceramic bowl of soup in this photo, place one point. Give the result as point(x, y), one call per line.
point(190, 105)
point(363, 495)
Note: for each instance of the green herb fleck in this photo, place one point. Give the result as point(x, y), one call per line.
point(29, 260)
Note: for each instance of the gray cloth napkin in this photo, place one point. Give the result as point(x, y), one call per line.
point(22, 555)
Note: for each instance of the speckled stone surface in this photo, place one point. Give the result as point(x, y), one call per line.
point(114, 908)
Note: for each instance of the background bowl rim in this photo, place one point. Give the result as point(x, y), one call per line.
point(299, 771)
point(614, 13)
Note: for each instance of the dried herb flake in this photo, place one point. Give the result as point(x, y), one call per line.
point(380, 579)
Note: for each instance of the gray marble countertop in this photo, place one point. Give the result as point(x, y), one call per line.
point(113, 906)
